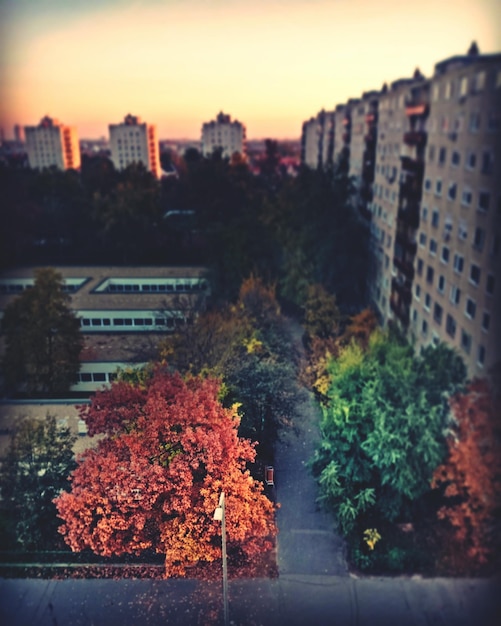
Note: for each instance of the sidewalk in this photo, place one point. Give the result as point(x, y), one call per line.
point(289, 601)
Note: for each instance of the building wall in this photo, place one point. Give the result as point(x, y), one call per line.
point(135, 142)
point(52, 144)
point(224, 134)
point(457, 295)
point(434, 205)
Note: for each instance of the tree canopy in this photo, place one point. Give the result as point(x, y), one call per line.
point(34, 471)
point(154, 479)
point(43, 339)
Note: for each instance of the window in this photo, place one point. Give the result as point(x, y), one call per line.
point(463, 86)
point(433, 246)
point(489, 286)
point(455, 296)
point(438, 187)
point(419, 267)
point(467, 197)
point(445, 254)
point(437, 313)
point(474, 122)
point(424, 327)
point(85, 322)
point(451, 194)
point(450, 326)
point(463, 230)
point(435, 218)
point(493, 121)
point(85, 377)
point(484, 199)
point(481, 356)
point(429, 274)
point(479, 81)
point(475, 274)
point(442, 156)
point(427, 301)
point(422, 239)
point(486, 320)
point(441, 283)
point(479, 239)
point(470, 309)
point(96, 322)
point(487, 162)
point(458, 263)
point(456, 158)
point(471, 160)
point(427, 184)
point(99, 377)
point(465, 341)
point(424, 214)
point(417, 292)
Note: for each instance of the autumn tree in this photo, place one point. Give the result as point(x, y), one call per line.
point(154, 480)
point(34, 471)
point(42, 336)
point(470, 478)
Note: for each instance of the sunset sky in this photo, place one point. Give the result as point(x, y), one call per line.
point(177, 63)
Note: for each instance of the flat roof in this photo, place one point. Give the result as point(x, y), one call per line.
point(88, 297)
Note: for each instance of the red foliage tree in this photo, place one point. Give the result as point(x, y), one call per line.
point(154, 480)
point(471, 475)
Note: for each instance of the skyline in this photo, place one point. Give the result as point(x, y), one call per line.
point(271, 64)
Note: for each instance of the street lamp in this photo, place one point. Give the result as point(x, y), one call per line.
point(220, 516)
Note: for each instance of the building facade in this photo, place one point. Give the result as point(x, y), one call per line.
point(51, 144)
point(225, 135)
point(134, 141)
point(427, 167)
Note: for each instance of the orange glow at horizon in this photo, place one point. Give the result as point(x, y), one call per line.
point(271, 64)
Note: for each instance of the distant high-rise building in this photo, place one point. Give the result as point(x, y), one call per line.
point(18, 133)
point(134, 141)
point(224, 134)
point(52, 144)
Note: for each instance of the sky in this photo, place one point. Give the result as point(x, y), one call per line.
point(271, 64)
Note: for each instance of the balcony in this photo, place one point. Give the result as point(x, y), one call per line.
point(416, 109)
point(414, 166)
point(346, 137)
point(415, 138)
point(409, 215)
point(406, 268)
point(370, 118)
point(403, 290)
point(410, 189)
point(409, 244)
point(401, 312)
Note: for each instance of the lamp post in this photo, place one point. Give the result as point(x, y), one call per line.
point(220, 515)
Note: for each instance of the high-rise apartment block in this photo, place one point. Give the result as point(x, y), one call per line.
point(225, 135)
point(427, 166)
point(52, 144)
point(134, 141)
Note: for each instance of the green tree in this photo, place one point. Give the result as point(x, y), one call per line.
point(43, 339)
point(383, 428)
point(35, 471)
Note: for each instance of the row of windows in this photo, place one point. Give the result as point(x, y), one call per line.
point(452, 125)
point(474, 276)
point(139, 322)
point(478, 241)
point(466, 342)
point(470, 309)
point(114, 287)
point(486, 161)
point(462, 86)
point(10, 287)
point(96, 377)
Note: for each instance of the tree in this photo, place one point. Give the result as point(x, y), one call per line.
point(43, 339)
point(154, 480)
point(470, 477)
point(34, 471)
point(321, 314)
point(383, 428)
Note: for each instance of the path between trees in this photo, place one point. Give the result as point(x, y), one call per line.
point(307, 541)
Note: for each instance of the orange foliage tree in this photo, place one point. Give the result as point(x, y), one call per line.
point(471, 475)
point(153, 481)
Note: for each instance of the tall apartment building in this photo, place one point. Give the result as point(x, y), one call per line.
point(52, 144)
point(317, 140)
point(457, 286)
point(134, 141)
point(433, 149)
point(224, 134)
